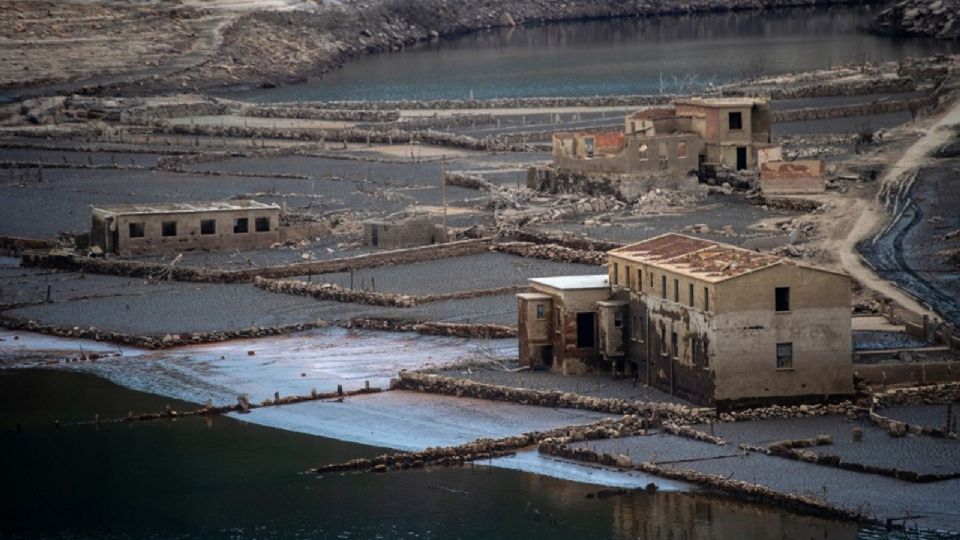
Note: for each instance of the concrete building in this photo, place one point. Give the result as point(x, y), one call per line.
point(402, 230)
point(709, 322)
point(135, 229)
point(689, 136)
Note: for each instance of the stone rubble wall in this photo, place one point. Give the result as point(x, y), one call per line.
point(330, 291)
point(433, 328)
point(132, 268)
point(552, 252)
point(745, 490)
point(481, 449)
point(878, 107)
point(353, 135)
point(936, 394)
point(468, 181)
point(154, 341)
point(302, 112)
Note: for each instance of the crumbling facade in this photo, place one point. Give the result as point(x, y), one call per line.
point(709, 322)
point(693, 135)
point(138, 229)
point(402, 230)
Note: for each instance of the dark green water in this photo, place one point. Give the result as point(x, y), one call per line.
point(228, 479)
point(625, 56)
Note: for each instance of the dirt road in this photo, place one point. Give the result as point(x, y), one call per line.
point(870, 215)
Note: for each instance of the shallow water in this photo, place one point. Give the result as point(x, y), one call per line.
point(225, 478)
point(625, 56)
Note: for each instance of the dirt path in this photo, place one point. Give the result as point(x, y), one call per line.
point(870, 215)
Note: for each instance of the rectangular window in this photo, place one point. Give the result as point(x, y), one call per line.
point(650, 275)
point(639, 279)
point(616, 274)
point(241, 225)
point(690, 291)
point(208, 226)
point(674, 345)
point(736, 120)
point(706, 299)
point(676, 291)
point(663, 286)
point(541, 312)
point(783, 298)
point(262, 224)
point(682, 149)
point(663, 341)
point(626, 274)
point(168, 228)
point(136, 230)
point(784, 355)
point(618, 319)
point(635, 321)
point(643, 152)
point(588, 146)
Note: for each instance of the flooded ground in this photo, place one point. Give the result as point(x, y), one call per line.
point(226, 478)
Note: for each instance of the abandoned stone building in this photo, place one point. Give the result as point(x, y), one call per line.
point(706, 321)
point(135, 229)
point(696, 134)
point(402, 230)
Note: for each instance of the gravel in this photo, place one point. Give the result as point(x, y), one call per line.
point(659, 448)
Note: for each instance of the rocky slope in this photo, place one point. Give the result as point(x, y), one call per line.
point(933, 18)
point(271, 47)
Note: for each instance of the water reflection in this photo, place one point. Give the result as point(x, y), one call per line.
point(646, 55)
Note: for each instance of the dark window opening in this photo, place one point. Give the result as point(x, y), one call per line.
point(690, 287)
point(663, 341)
point(741, 158)
point(674, 345)
point(616, 274)
point(168, 228)
point(639, 279)
point(618, 320)
point(736, 120)
point(676, 291)
point(241, 225)
point(651, 279)
point(137, 230)
point(541, 311)
point(208, 226)
point(586, 330)
point(706, 299)
point(784, 355)
point(783, 298)
point(663, 286)
point(262, 224)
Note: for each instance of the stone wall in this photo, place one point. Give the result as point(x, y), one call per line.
point(330, 291)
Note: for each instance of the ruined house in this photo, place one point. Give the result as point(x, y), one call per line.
point(402, 230)
point(779, 177)
point(709, 322)
point(692, 135)
point(135, 229)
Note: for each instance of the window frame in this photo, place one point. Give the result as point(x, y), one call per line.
point(165, 229)
point(739, 116)
point(238, 229)
point(784, 361)
point(781, 299)
point(139, 226)
point(260, 220)
point(540, 311)
point(203, 225)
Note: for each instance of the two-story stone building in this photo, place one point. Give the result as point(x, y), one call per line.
point(706, 321)
point(691, 135)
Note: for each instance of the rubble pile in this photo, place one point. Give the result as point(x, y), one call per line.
point(659, 201)
point(934, 18)
point(468, 181)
